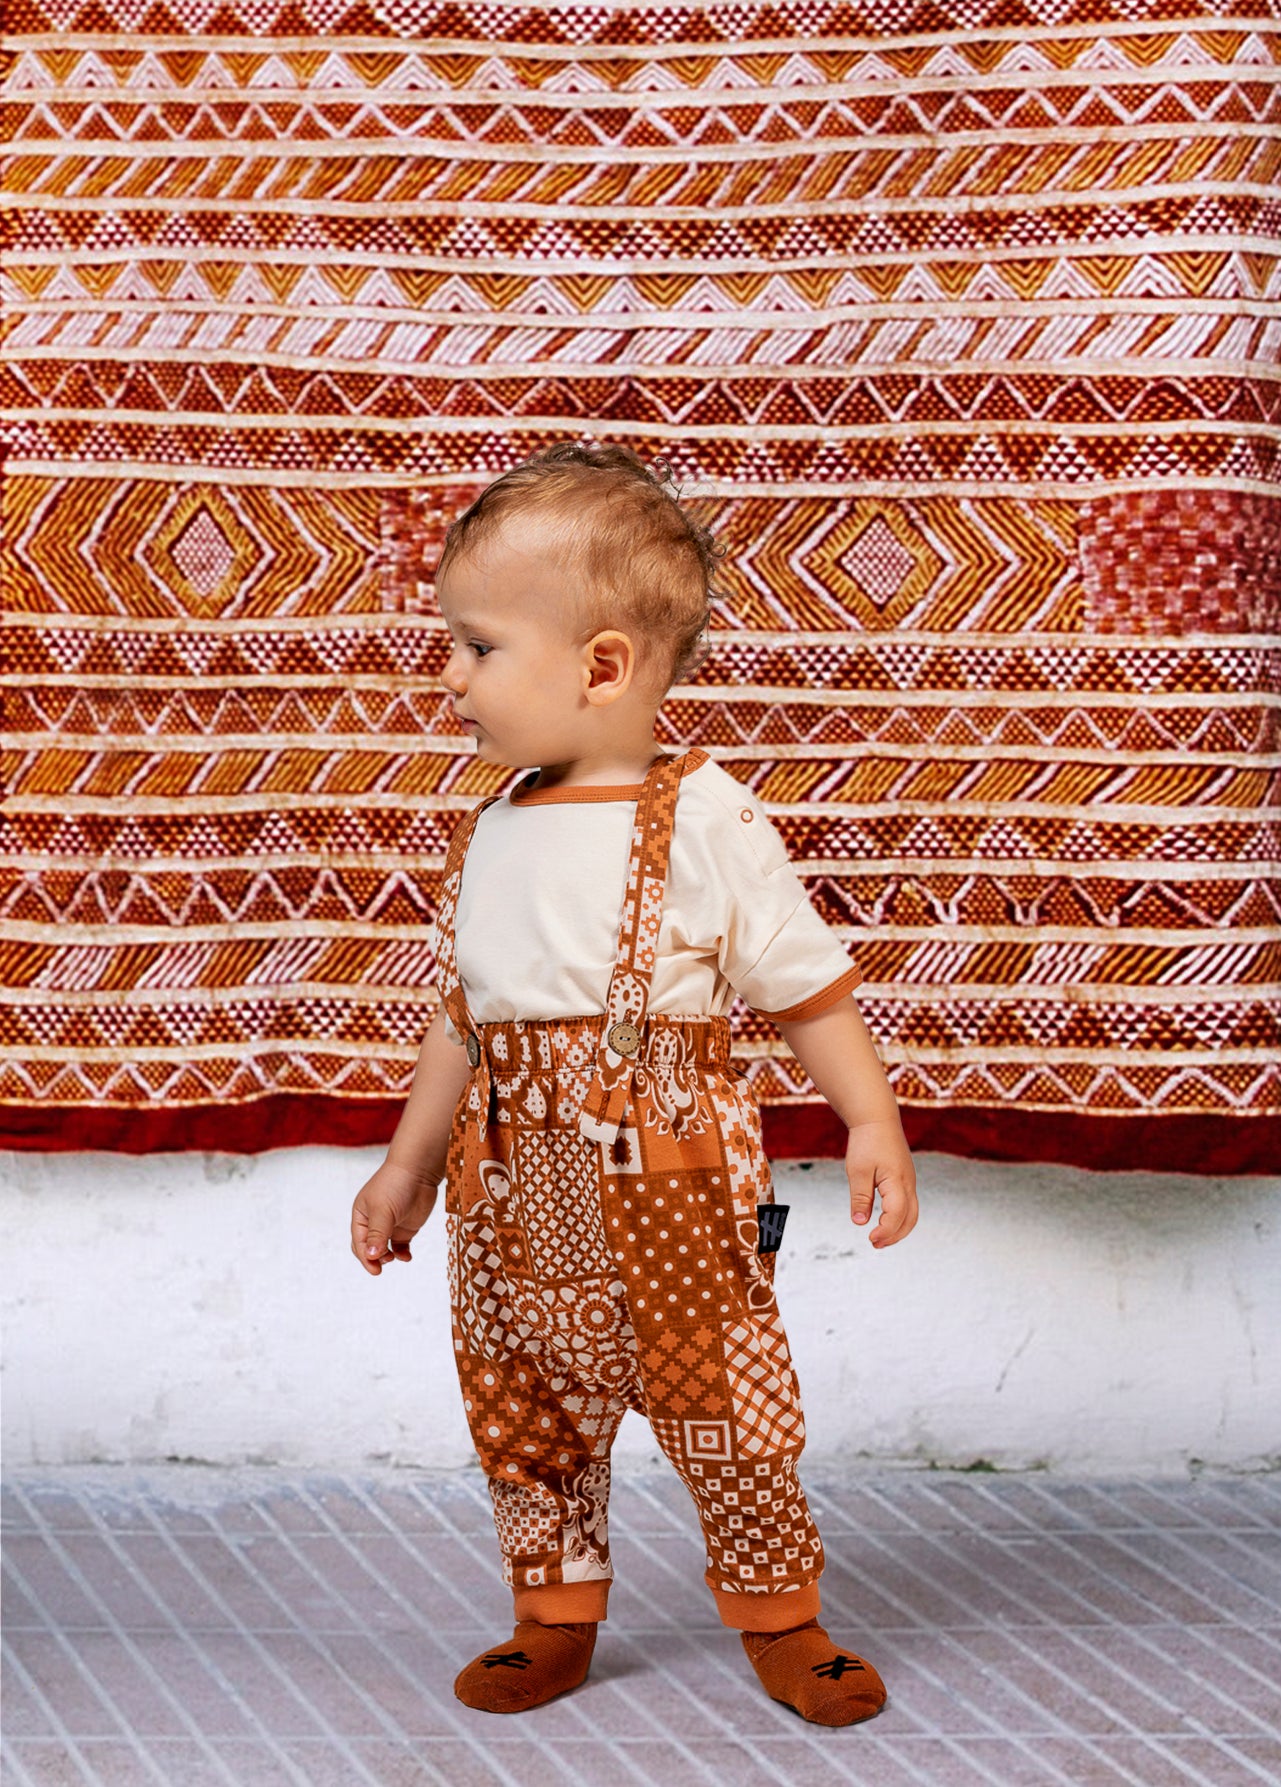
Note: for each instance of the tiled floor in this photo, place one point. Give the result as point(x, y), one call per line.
point(190, 1626)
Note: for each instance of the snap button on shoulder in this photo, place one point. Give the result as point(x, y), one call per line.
point(473, 1048)
point(747, 815)
point(623, 1038)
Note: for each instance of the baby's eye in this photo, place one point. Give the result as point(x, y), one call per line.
point(481, 650)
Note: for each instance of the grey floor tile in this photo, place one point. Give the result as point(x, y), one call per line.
point(455, 1763)
point(46, 1763)
point(26, 1714)
point(274, 1699)
point(18, 1610)
point(1083, 1763)
point(1201, 1672)
point(59, 1680)
point(257, 1627)
point(44, 1580)
point(387, 1762)
point(858, 1755)
point(262, 1764)
point(60, 1509)
point(1263, 1752)
point(1176, 1763)
point(148, 1680)
point(127, 1765)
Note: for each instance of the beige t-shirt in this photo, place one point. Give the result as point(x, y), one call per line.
point(536, 928)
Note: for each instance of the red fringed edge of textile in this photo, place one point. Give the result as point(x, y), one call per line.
point(1174, 1144)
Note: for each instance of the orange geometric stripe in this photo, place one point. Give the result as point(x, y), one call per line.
point(964, 330)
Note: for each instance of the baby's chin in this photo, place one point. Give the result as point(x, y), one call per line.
point(486, 749)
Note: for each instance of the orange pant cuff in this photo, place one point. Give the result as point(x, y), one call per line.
point(768, 1613)
point(563, 1603)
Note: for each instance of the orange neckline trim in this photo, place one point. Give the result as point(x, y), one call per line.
point(521, 796)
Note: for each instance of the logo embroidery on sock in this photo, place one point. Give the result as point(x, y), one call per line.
point(837, 1667)
point(511, 1659)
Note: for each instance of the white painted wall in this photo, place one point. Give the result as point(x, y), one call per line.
point(206, 1307)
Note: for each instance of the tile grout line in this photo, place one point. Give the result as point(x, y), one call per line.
point(668, 1530)
point(1263, 1480)
point(363, 1629)
point(158, 1529)
point(1166, 1492)
point(1134, 1632)
point(1263, 1634)
point(1219, 1741)
point(1147, 1739)
point(246, 1632)
point(1078, 1520)
point(883, 1542)
point(1072, 1632)
point(1012, 1635)
point(10, 1758)
point(125, 1639)
point(808, 1737)
point(728, 1732)
point(536, 1739)
point(60, 1734)
point(1235, 1536)
point(813, 1745)
point(568, 1704)
point(377, 1644)
point(1108, 1536)
point(667, 1736)
point(1197, 1628)
point(950, 1564)
point(469, 1546)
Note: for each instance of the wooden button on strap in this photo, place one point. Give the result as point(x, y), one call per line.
point(623, 1038)
point(473, 1049)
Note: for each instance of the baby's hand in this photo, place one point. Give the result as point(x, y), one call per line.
point(878, 1164)
point(389, 1210)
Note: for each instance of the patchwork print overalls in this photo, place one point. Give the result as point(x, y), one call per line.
point(603, 1179)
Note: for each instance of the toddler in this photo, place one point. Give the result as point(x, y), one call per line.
point(607, 1198)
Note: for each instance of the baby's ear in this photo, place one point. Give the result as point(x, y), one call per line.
point(610, 663)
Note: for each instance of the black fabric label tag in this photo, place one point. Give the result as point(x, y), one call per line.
point(771, 1218)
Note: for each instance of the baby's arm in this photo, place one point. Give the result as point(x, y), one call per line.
point(393, 1205)
point(837, 1052)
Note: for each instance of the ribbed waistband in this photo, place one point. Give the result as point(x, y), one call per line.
point(548, 1045)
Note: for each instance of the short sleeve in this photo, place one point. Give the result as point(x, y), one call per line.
point(773, 948)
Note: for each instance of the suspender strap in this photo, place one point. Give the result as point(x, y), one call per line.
point(604, 1107)
point(628, 999)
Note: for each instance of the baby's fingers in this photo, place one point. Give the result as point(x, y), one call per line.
point(862, 1197)
point(898, 1212)
point(369, 1242)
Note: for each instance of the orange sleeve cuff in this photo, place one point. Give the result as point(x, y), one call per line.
point(810, 1008)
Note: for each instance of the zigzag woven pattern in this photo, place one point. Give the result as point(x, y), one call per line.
point(967, 314)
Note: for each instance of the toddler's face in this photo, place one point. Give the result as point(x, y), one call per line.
point(515, 670)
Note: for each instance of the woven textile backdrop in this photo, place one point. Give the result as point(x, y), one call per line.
point(966, 311)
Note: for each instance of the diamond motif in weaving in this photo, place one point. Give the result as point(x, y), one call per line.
point(1003, 577)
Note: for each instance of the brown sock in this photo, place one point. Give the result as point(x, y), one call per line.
point(805, 1670)
point(539, 1663)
